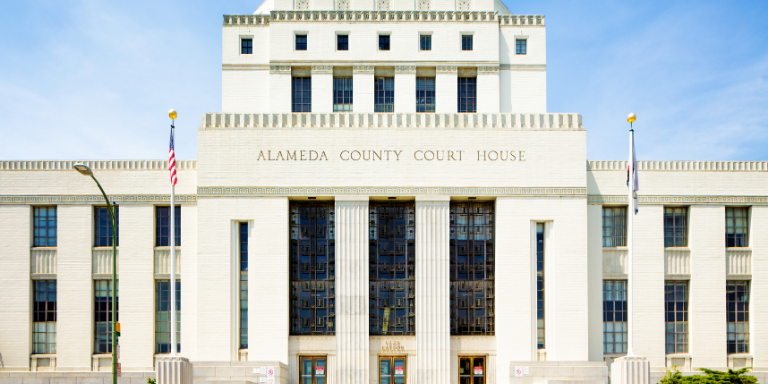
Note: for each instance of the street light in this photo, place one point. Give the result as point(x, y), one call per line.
point(86, 171)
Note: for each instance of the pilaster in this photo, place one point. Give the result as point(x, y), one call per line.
point(433, 289)
point(352, 342)
point(648, 264)
point(446, 86)
point(136, 306)
point(758, 306)
point(74, 325)
point(488, 89)
point(405, 89)
point(363, 89)
point(280, 88)
point(595, 280)
point(188, 334)
point(16, 297)
point(322, 89)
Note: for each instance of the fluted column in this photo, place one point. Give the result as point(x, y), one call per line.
point(352, 365)
point(433, 335)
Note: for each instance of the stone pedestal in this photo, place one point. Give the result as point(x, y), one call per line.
point(173, 370)
point(631, 370)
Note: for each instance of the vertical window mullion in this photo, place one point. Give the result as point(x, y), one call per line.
point(243, 240)
point(540, 304)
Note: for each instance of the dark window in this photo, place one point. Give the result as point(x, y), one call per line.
point(736, 226)
point(45, 226)
point(312, 268)
point(342, 42)
point(392, 268)
point(540, 285)
point(521, 46)
point(384, 97)
point(472, 276)
point(467, 94)
point(737, 297)
point(425, 94)
point(103, 223)
point(301, 42)
point(44, 317)
point(425, 42)
point(614, 226)
point(163, 316)
point(614, 316)
point(312, 370)
point(243, 239)
point(302, 94)
point(342, 94)
point(675, 231)
point(384, 42)
point(472, 370)
point(163, 229)
point(676, 316)
point(466, 42)
point(103, 314)
point(246, 46)
point(392, 370)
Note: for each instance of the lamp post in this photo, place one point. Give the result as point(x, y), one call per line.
point(86, 171)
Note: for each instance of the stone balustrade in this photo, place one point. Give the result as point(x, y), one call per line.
point(511, 121)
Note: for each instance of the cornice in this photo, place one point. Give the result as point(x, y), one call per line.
point(96, 165)
point(415, 121)
point(363, 69)
point(447, 68)
point(245, 67)
point(322, 69)
point(280, 69)
point(390, 191)
point(383, 16)
point(680, 166)
point(95, 199)
point(685, 200)
point(405, 69)
point(523, 67)
point(488, 69)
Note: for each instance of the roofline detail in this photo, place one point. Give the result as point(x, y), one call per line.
point(96, 165)
point(384, 16)
point(680, 166)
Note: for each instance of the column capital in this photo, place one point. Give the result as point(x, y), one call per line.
point(488, 69)
point(362, 69)
point(280, 69)
point(322, 69)
point(405, 69)
point(447, 69)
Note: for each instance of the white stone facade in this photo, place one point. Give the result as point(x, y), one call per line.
point(257, 157)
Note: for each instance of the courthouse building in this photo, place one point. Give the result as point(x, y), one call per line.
point(384, 199)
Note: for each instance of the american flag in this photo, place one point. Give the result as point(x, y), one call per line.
point(172, 161)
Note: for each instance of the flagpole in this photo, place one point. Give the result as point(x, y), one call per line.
point(630, 218)
point(172, 224)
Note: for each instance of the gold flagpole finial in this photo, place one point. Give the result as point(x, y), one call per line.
point(631, 118)
point(172, 114)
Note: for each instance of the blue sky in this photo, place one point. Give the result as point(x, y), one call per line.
point(94, 79)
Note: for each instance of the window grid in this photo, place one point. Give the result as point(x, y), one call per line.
point(425, 42)
point(312, 370)
point(103, 223)
point(103, 315)
point(392, 268)
point(614, 226)
point(301, 97)
point(246, 46)
point(44, 317)
point(392, 370)
point(383, 42)
point(163, 316)
point(614, 316)
point(472, 370)
point(472, 268)
point(737, 296)
point(312, 268)
point(384, 99)
point(243, 240)
point(540, 285)
point(676, 316)
point(342, 42)
point(736, 226)
point(521, 46)
point(301, 42)
point(163, 229)
point(45, 226)
point(425, 94)
point(466, 42)
point(675, 227)
point(342, 94)
point(467, 94)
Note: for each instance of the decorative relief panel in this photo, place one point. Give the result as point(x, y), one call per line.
point(95, 199)
point(464, 5)
point(423, 5)
point(382, 5)
point(322, 69)
point(405, 68)
point(388, 191)
point(362, 69)
point(280, 69)
point(302, 5)
point(488, 69)
point(342, 5)
point(447, 68)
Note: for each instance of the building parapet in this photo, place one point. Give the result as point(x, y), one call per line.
point(398, 16)
point(96, 165)
point(709, 166)
point(510, 121)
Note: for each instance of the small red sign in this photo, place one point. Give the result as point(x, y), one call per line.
point(119, 370)
point(319, 370)
point(478, 370)
point(399, 370)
